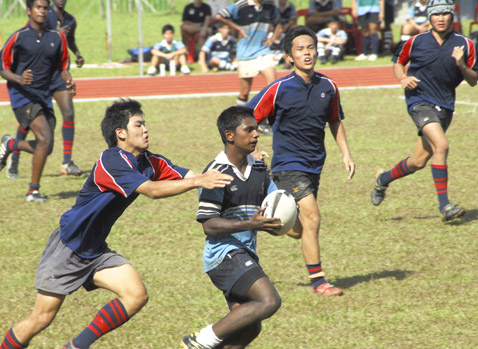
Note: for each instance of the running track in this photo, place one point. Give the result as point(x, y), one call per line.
point(198, 84)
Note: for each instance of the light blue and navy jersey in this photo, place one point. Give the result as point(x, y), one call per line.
point(25, 49)
point(237, 201)
point(288, 13)
point(327, 33)
point(107, 192)
point(434, 66)
point(215, 46)
point(164, 47)
point(299, 113)
point(367, 6)
point(255, 22)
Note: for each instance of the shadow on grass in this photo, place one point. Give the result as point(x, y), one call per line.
point(66, 194)
point(351, 281)
point(470, 215)
point(82, 176)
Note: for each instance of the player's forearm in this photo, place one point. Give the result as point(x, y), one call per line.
point(220, 226)
point(470, 76)
point(338, 131)
point(399, 70)
point(8, 75)
point(277, 31)
point(166, 188)
point(229, 23)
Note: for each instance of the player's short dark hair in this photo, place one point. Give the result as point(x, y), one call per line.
point(29, 3)
point(295, 32)
point(167, 27)
point(231, 118)
point(117, 116)
point(334, 19)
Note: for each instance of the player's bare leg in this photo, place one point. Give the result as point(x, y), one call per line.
point(308, 229)
point(45, 309)
point(269, 74)
point(244, 89)
point(125, 282)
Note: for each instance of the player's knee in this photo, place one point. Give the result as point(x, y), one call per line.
point(271, 304)
point(69, 115)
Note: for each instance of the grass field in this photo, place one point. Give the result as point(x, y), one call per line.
point(410, 281)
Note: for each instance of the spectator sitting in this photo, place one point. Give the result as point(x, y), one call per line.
point(196, 22)
point(219, 50)
point(320, 12)
point(168, 52)
point(417, 21)
point(331, 42)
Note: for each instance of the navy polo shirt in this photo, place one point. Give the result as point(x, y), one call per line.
point(43, 55)
point(299, 112)
point(67, 20)
point(434, 66)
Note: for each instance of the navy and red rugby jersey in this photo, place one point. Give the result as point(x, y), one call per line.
point(25, 49)
point(299, 113)
point(434, 66)
point(67, 20)
point(108, 191)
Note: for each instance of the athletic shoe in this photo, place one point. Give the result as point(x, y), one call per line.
point(327, 289)
point(4, 150)
point(378, 192)
point(185, 70)
point(372, 57)
point(35, 196)
point(361, 57)
point(190, 342)
point(70, 345)
point(451, 211)
point(152, 71)
point(265, 129)
point(334, 59)
point(12, 169)
point(70, 169)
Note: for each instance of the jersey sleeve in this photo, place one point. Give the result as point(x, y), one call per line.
point(336, 113)
point(471, 61)
point(6, 55)
point(231, 12)
point(116, 171)
point(264, 102)
point(402, 56)
point(164, 169)
point(64, 55)
point(207, 45)
point(179, 45)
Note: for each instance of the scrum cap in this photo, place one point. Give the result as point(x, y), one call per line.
point(435, 7)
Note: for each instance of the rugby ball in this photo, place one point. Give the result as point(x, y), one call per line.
point(281, 204)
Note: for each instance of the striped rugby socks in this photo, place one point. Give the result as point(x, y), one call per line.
point(440, 179)
point(108, 318)
point(316, 275)
point(399, 171)
point(11, 342)
point(68, 133)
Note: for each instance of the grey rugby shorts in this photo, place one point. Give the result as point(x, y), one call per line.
point(28, 112)
point(61, 271)
point(298, 183)
point(424, 113)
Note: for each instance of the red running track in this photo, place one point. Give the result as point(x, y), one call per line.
point(210, 83)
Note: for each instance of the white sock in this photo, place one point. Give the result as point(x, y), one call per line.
point(208, 338)
point(162, 69)
point(172, 68)
point(222, 64)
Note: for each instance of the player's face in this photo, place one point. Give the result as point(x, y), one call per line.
point(59, 3)
point(168, 35)
point(135, 137)
point(224, 30)
point(303, 53)
point(245, 136)
point(441, 22)
point(38, 12)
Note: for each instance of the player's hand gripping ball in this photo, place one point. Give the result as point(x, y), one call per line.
point(281, 204)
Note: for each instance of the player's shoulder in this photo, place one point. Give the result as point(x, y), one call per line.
point(321, 77)
point(221, 167)
point(260, 166)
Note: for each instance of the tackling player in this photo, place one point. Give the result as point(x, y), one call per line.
point(440, 60)
point(77, 254)
point(300, 105)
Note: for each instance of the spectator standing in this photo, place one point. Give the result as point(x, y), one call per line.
point(370, 14)
point(253, 20)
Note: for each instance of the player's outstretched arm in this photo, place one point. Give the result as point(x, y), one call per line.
point(338, 131)
point(162, 189)
point(218, 226)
